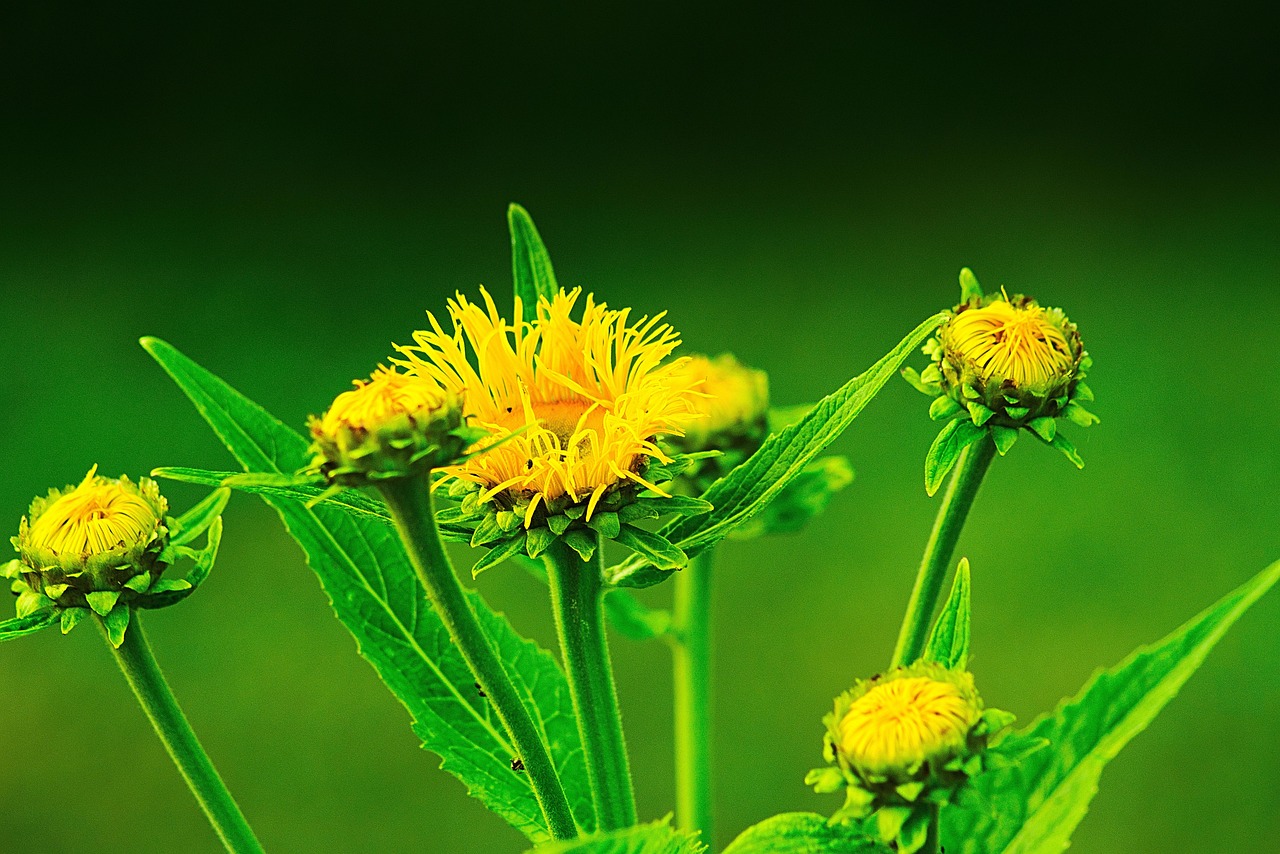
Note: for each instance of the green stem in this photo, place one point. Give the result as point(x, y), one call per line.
point(691, 651)
point(577, 596)
point(932, 842)
point(148, 683)
point(970, 468)
point(409, 501)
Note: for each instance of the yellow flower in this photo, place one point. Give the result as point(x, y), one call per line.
point(1023, 344)
point(901, 723)
point(732, 398)
point(390, 425)
point(572, 407)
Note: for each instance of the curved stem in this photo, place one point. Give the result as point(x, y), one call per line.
point(576, 599)
point(970, 468)
point(409, 501)
point(691, 651)
point(148, 683)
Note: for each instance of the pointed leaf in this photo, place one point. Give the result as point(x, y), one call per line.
point(659, 551)
point(376, 594)
point(656, 838)
point(102, 601)
point(969, 287)
point(949, 643)
point(802, 833)
point(71, 618)
point(498, 554)
point(1033, 806)
point(804, 499)
point(530, 263)
point(190, 525)
point(954, 438)
point(19, 626)
point(117, 622)
point(1004, 438)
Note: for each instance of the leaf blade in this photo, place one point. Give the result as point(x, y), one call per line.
point(802, 833)
point(531, 269)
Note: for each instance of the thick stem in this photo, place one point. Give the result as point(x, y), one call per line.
point(970, 468)
point(576, 599)
point(409, 501)
point(148, 683)
point(933, 842)
point(691, 651)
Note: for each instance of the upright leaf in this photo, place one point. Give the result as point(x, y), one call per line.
point(1034, 806)
point(658, 837)
point(949, 642)
point(19, 626)
point(802, 833)
point(749, 488)
point(377, 596)
point(530, 263)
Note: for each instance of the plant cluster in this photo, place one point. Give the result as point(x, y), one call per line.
point(541, 436)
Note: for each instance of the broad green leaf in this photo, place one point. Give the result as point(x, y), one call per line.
point(949, 642)
point(783, 457)
point(530, 263)
point(377, 596)
point(802, 833)
point(1033, 807)
point(946, 449)
point(658, 837)
point(19, 626)
point(805, 498)
point(195, 521)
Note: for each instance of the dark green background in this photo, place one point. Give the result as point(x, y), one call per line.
point(281, 192)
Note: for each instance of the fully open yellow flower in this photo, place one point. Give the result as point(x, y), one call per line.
point(572, 407)
point(1024, 344)
point(903, 722)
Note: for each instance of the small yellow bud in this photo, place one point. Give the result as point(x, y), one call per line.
point(1029, 348)
point(732, 402)
point(903, 722)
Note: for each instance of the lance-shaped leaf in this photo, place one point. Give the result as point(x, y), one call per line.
point(376, 594)
point(783, 457)
point(19, 626)
point(658, 837)
point(805, 498)
point(190, 525)
point(802, 833)
point(1034, 806)
point(530, 264)
point(950, 442)
point(949, 642)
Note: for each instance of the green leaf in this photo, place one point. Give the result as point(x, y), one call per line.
point(117, 622)
point(194, 522)
point(1068, 450)
point(376, 594)
point(656, 549)
point(954, 438)
point(350, 500)
point(102, 601)
point(783, 457)
point(1034, 806)
point(498, 554)
point(781, 417)
point(1004, 438)
point(170, 591)
point(802, 833)
point(530, 263)
point(1046, 428)
point(949, 642)
point(969, 287)
point(71, 618)
point(19, 626)
point(805, 498)
point(656, 838)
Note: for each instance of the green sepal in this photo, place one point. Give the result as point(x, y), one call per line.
point(658, 549)
point(969, 287)
point(943, 408)
point(1083, 392)
point(140, 583)
point(637, 510)
point(538, 540)
point(1068, 450)
point(1077, 414)
point(559, 523)
point(11, 569)
point(170, 585)
point(954, 438)
point(575, 511)
point(488, 531)
point(507, 520)
point(685, 505)
point(55, 591)
point(102, 601)
point(1046, 428)
point(117, 622)
point(949, 641)
point(71, 617)
point(166, 591)
point(1004, 437)
point(889, 822)
point(825, 780)
point(914, 832)
point(459, 487)
point(31, 623)
point(498, 554)
point(32, 602)
point(908, 791)
point(912, 376)
point(979, 413)
point(197, 520)
point(1017, 413)
point(581, 542)
point(607, 524)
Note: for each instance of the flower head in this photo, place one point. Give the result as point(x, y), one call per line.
point(733, 402)
point(390, 425)
point(572, 408)
point(900, 723)
point(1018, 343)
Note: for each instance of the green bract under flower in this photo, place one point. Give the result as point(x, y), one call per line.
point(392, 425)
point(903, 742)
point(1002, 364)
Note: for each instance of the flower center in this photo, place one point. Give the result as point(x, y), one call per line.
point(903, 722)
point(1020, 344)
point(94, 518)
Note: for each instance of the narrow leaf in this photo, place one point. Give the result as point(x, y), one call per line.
point(1034, 806)
point(656, 838)
point(530, 263)
point(19, 626)
point(949, 643)
point(376, 594)
point(954, 438)
point(195, 521)
point(802, 833)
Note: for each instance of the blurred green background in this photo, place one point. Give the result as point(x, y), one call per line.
point(282, 191)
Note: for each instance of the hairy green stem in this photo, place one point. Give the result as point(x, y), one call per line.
point(691, 651)
point(148, 683)
point(933, 842)
point(577, 597)
point(970, 468)
point(409, 501)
